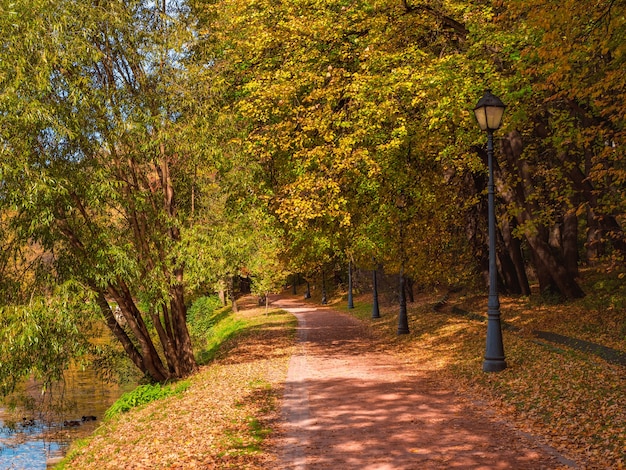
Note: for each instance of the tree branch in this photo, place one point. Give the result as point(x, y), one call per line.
point(445, 20)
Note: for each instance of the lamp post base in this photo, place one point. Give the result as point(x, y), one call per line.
point(494, 350)
point(375, 310)
point(494, 365)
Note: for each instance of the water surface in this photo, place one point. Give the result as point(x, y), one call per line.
point(36, 429)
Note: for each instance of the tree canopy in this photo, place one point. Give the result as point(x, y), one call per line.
point(150, 151)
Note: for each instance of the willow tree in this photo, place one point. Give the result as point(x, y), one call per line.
point(96, 165)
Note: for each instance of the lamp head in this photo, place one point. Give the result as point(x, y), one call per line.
point(489, 111)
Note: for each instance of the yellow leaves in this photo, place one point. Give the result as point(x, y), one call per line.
point(310, 197)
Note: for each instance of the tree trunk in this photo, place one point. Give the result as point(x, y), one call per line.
point(547, 287)
point(569, 241)
point(165, 337)
point(551, 272)
point(594, 245)
point(186, 362)
point(152, 363)
point(508, 276)
point(560, 277)
point(554, 237)
point(119, 333)
point(514, 247)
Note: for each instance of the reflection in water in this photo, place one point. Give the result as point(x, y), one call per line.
point(37, 427)
point(28, 451)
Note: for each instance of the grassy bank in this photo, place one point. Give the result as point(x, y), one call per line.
point(219, 418)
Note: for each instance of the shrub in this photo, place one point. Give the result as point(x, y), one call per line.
point(200, 316)
point(144, 394)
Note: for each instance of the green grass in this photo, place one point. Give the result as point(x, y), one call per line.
point(226, 328)
point(143, 395)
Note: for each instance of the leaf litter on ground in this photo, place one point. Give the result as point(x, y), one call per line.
point(574, 400)
point(222, 420)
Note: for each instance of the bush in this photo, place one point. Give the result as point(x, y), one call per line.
point(200, 316)
point(144, 394)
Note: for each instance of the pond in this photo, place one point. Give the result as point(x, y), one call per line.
point(37, 428)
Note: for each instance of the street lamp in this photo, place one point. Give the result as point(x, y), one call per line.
point(403, 321)
point(375, 309)
point(350, 298)
point(489, 111)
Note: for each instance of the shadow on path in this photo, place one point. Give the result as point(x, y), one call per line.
point(349, 405)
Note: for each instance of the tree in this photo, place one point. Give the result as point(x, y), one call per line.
point(577, 67)
point(95, 165)
point(558, 61)
point(334, 95)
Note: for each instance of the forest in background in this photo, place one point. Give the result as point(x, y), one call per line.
point(152, 152)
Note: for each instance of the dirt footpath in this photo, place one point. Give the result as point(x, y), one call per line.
point(350, 405)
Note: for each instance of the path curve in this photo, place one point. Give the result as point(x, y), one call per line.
point(349, 405)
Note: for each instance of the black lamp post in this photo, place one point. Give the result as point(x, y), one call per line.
point(489, 111)
point(375, 309)
point(403, 321)
point(350, 299)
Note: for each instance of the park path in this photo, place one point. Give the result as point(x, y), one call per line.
point(350, 405)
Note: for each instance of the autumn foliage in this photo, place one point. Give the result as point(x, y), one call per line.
point(155, 152)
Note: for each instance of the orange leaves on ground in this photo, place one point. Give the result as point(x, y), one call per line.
point(220, 421)
point(573, 399)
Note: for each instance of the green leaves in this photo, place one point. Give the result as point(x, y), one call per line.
point(334, 95)
point(143, 395)
point(141, 155)
point(43, 337)
point(94, 167)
